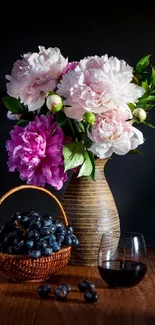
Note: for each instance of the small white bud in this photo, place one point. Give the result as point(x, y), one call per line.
point(140, 114)
point(12, 116)
point(54, 103)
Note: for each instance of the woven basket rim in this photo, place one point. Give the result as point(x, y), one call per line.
point(27, 257)
point(34, 187)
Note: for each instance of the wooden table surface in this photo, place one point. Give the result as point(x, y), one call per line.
point(21, 305)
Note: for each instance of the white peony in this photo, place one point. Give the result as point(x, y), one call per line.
point(97, 85)
point(35, 75)
point(113, 133)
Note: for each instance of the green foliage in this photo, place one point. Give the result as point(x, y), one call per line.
point(91, 156)
point(144, 76)
point(90, 128)
point(76, 155)
point(13, 105)
point(131, 106)
point(149, 124)
point(21, 121)
point(86, 168)
point(142, 64)
point(145, 85)
point(153, 77)
point(135, 152)
point(73, 155)
point(149, 98)
point(86, 140)
point(80, 126)
point(145, 106)
point(61, 118)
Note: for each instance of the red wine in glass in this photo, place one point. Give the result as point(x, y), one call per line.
point(117, 273)
point(122, 263)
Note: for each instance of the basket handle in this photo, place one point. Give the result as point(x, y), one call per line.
point(22, 187)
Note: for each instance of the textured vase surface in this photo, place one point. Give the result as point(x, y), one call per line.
point(91, 211)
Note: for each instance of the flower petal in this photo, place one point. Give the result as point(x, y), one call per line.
point(74, 112)
point(36, 152)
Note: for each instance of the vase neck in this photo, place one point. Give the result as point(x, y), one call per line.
point(100, 163)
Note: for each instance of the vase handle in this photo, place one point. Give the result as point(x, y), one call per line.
point(22, 187)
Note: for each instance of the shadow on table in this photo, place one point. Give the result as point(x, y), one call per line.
point(34, 296)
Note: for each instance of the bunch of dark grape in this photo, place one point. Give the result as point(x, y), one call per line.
point(35, 235)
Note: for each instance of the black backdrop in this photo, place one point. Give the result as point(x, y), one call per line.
point(79, 30)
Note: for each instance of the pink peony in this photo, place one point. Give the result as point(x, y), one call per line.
point(35, 75)
point(98, 84)
point(113, 133)
point(36, 152)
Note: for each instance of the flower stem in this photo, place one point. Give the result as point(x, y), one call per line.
point(71, 126)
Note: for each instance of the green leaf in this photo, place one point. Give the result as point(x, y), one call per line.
point(61, 118)
point(145, 85)
point(149, 124)
point(73, 155)
point(146, 107)
point(86, 168)
point(142, 64)
point(13, 105)
point(90, 128)
point(135, 152)
point(131, 106)
point(147, 99)
point(22, 122)
point(91, 156)
point(80, 127)
point(86, 140)
point(153, 77)
point(145, 95)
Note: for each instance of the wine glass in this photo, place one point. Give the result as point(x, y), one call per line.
point(122, 259)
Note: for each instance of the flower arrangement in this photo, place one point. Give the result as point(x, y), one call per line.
point(68, 113)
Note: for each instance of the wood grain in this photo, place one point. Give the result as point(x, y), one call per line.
point(20, 304)
point(91, 210)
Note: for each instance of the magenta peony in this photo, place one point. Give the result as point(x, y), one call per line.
point(36, 152)
point(35, 75)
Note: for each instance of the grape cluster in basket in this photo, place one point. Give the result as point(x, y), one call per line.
point(35, 235)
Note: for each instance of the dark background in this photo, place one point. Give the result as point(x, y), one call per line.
point(126, 31)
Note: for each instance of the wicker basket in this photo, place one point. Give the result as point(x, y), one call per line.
point(23, 268)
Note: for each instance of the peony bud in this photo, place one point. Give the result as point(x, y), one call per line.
point(89, 117)
point(12, 116)
point(54, 103)
point(140, 114)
